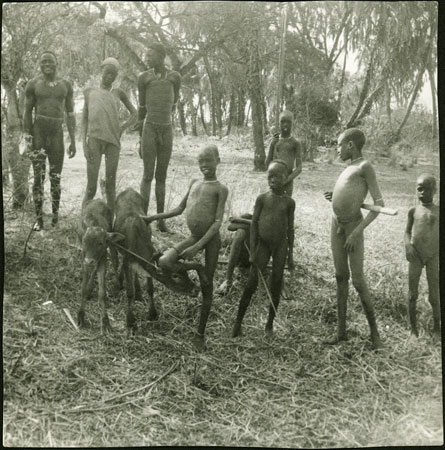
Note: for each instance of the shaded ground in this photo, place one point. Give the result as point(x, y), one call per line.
point(68, 388)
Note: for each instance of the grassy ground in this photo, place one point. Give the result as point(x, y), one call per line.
point(68, 388)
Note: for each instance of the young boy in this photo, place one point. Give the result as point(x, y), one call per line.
point(288, 149)
point(271, 234)
point(204, 201)
point(101, 131)
point(239, 250)
point(347, 241)
point(422, 249)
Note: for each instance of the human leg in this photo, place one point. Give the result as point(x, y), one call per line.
point(414, 273)
point(93, 166)
point(279, 256)
point(340, 258)
point(38, 160)
point(432, 275)
point(165, 145)
point(111, 163)
point(356, 259)
point(211, 261)
point(262, 256)
point(56, 154)
point(149, 151)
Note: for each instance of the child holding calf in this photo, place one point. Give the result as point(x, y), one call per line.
point(204, 201)
point(422, 249)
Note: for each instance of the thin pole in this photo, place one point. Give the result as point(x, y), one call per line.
point(281, 62)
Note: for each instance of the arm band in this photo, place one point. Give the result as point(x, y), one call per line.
point(378, 200)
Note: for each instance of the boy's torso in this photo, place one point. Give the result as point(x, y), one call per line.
point(425, 233)
point(287, 149)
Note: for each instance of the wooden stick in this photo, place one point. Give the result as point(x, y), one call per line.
point(380, 209)
point(68, 314)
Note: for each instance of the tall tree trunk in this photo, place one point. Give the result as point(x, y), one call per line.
point(388, 104)
point(193, 117)
point(433, 99)
point(202, 116)
point(18, 165)
point(181, 113)
point(414, 94)
point(241, 108)
point(232, 109)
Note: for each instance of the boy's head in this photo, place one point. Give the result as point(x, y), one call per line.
point(277, 175)
point(208, 160)
point(348, 140)
point(426, 188)
point(110, 68)
point(286, 119)
point(155, 54)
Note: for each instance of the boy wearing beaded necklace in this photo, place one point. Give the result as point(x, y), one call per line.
point(204, 203)
point(286, 148)
point(347, 241)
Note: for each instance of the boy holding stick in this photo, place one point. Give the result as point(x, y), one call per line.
point(348, 224)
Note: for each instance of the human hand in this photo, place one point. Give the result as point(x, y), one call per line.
point(328, 195)
point(189, 252)
point(411, 253)
point(71, 151)
point(352, 241)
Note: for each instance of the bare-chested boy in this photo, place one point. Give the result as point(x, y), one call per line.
point(347, 241)
point(50, 97)
point(101, 130)
point(288, 149)
point(271, 234)
point(422, 249)
point(204, 201)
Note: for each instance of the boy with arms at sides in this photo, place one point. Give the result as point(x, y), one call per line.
point(204, 203)
point(271, 234)
point(101, 131)
point(50, 97)
point(348, 224)
point(158, 90)
point(422, 249)
point(288, 149)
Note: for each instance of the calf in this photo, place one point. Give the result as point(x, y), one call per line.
point(95, 234)
point(138, 256)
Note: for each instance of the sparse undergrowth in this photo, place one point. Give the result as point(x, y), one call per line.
point(64, 387)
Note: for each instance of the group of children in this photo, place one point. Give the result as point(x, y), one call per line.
point(267, 233)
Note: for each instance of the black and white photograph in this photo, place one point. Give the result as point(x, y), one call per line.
point(221, 224)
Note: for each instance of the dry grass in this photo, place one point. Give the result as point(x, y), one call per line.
point(64, 387)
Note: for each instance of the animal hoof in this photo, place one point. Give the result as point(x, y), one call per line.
point(54, 220)
point(81, 318)
point(38, 226)
point(236, 331)
point(162, 227)
point(153, 314)
point(376, 343)
point(106, 326)
point(269, 332)
point(199, 342)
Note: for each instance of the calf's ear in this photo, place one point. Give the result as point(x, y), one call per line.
point(115, 237)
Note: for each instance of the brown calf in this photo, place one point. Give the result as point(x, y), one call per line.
point(138, 256)
point(96, 234)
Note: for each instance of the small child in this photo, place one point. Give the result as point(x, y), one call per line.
point(271, 234)
point(288, 149)
point(205, 201)
point(422, 249)
point(239, 250)
point(348, 224)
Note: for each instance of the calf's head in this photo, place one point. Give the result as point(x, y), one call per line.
point(94, 244)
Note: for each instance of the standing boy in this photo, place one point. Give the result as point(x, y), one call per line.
point(347, 241)
point(50, 97)
point(101, 131)
point(422, 249)
point(288, 149)
point(204, 201)
point(271, 234)
point(158, 94)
